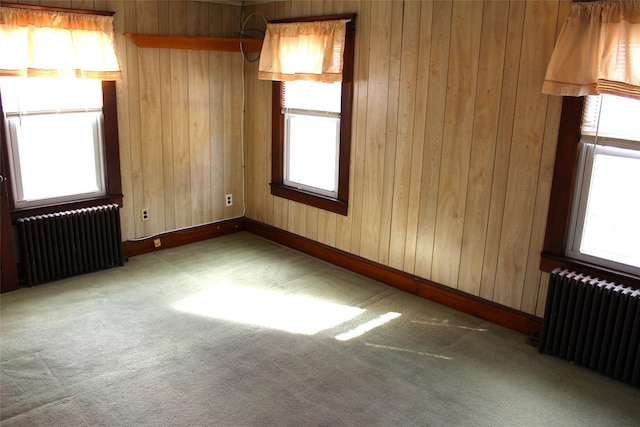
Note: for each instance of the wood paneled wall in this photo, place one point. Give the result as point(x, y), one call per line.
point(453, 143)
point(179, 115)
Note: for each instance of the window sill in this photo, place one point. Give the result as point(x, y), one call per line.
point(548, 262)
point(58, 207)
point(308, 198)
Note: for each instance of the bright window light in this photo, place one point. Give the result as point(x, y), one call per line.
point(54, 130)
point(313, 96)
point(59, 155)
point(33, 94)
point(604, 227)
point(270, 309)
point(313, 151)
point(611, 228)
point(312, 136)
point(611, 116)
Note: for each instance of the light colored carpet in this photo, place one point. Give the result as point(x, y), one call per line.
point(238, 331)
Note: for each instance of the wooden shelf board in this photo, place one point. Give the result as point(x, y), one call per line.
point(196, 43)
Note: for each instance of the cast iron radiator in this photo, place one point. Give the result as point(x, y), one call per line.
point(593, 323)
point(69, 243)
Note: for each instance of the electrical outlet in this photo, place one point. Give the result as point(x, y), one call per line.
point(145, 214)
point(229, 199)
point(157, 243)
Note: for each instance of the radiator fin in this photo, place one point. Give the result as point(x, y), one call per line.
point(69, 243)
point(593, 323)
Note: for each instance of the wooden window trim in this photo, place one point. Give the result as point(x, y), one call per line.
point(339, 204)
point(113, 185)
point(562, 189)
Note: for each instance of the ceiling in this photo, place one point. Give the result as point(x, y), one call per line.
point(240, 2)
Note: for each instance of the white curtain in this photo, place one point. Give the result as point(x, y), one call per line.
point(57, 44)
point(597, 51)
point(303, 51)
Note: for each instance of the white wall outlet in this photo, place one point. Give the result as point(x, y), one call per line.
point(228, 199)
point(145, 214)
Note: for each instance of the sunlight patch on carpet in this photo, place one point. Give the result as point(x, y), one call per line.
point(367, 326)
point(271, 309)
point(445, 323)
point(406, 350)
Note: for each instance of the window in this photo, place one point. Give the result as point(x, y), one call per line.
point(311, 137)
point(55, 139)
point(596, 52)
point(593, 222)
point(605, 227)
point(61, 140)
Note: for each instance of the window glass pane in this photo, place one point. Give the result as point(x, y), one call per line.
point(57, 155)
point(612, 218)
point(312, 153)
point(41, 94)
point(606, 217)
point(55, 138)
point(305, 95)
point(612, 116)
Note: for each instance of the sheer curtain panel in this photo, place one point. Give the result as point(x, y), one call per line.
point(303, 51)
point(57, 44)
point(597, 51)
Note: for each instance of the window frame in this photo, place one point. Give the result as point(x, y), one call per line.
point(340, 203)
point(111, 158)
point(561, 201)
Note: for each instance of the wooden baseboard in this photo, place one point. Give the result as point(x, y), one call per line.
point(484, 309)
point(181, 237)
